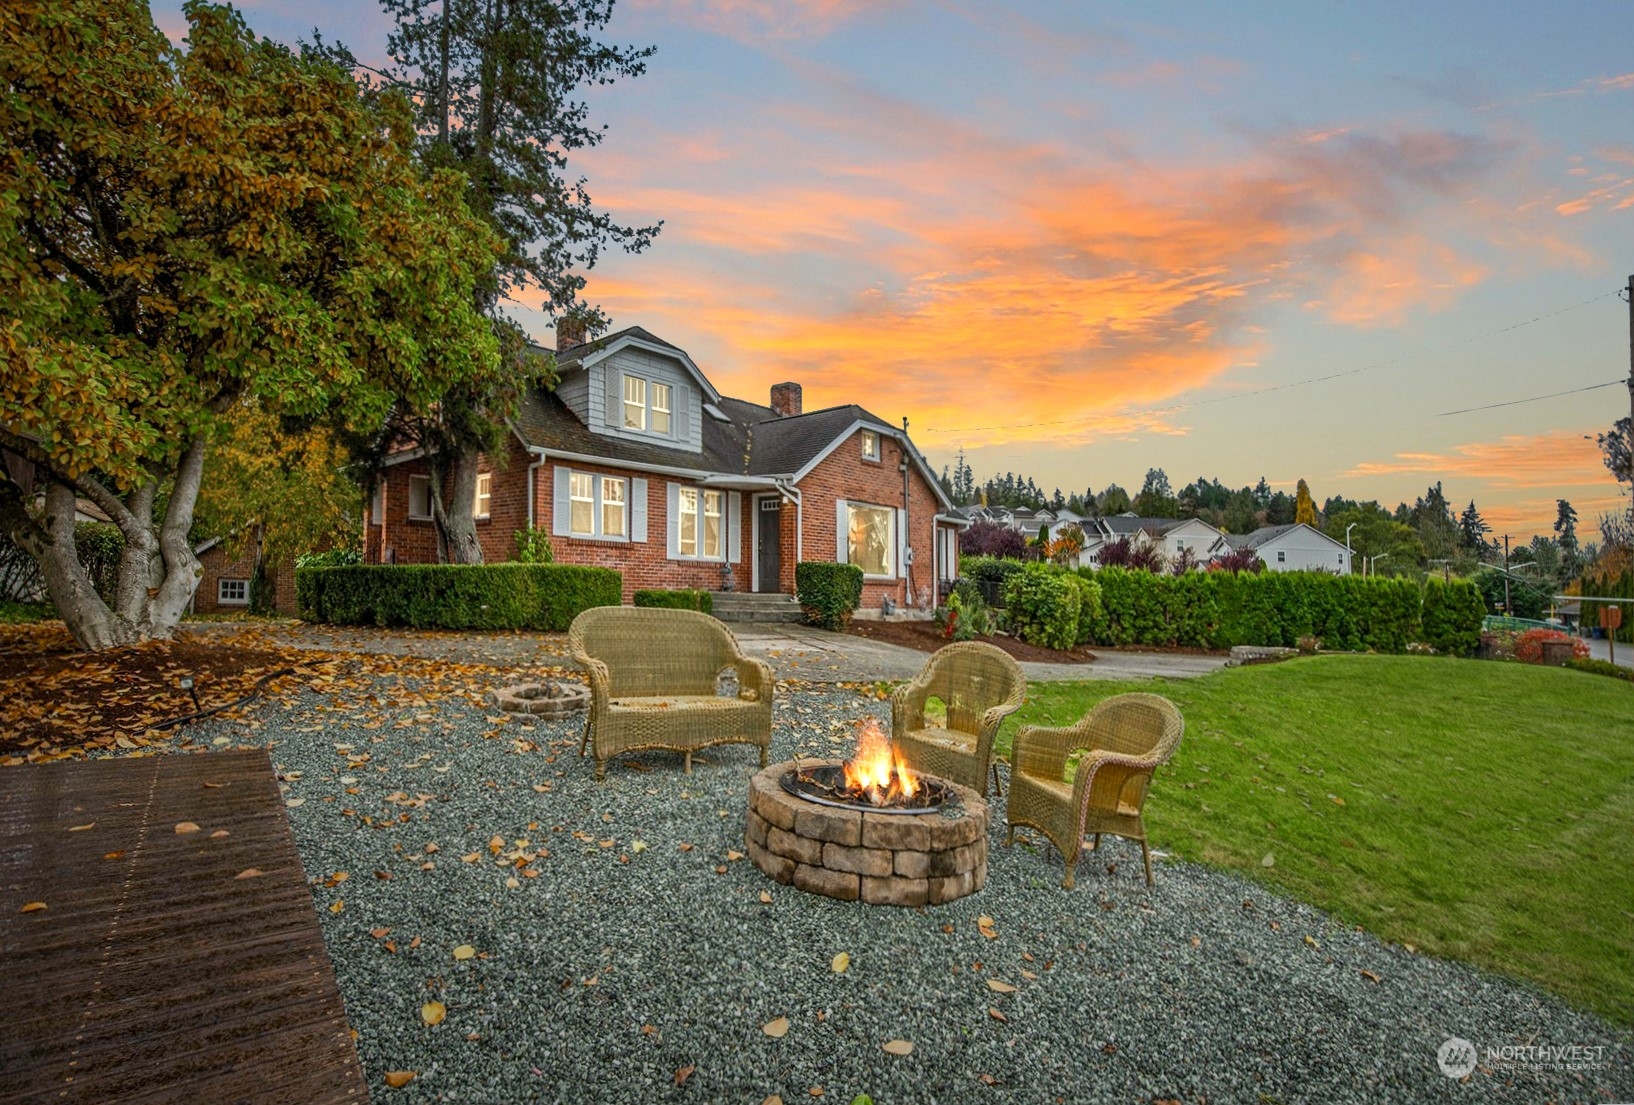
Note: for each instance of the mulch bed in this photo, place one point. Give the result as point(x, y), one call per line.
point(927, 637)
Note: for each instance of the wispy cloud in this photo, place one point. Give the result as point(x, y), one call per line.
point(764, 20)
point(1562, 459)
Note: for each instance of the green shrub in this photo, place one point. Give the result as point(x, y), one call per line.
point(454, 596)
point(1091, 614)
point(965, 617)
point(1602, 667)
point(677, 600)
point(333, 558)
point(828, 593)
point(100, 546)
point(1043, 605)
point(989, 569)
point(533, 547)
point(1450, 621)
point(21, 613)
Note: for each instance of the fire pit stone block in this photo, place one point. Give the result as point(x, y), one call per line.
point(879, 858)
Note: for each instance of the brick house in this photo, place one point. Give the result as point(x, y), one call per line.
point(636, 462)
point(224, 585)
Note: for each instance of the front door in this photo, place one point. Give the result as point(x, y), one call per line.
point(768, 531)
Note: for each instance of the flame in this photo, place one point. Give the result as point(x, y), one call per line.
point(876, 771)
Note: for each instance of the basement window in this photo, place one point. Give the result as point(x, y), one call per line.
point(233, 592)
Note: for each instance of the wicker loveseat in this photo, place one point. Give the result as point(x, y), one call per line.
point(653, 676)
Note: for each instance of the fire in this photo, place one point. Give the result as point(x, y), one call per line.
point(876, 772)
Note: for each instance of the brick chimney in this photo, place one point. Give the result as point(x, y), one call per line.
point(569, 333)
point(786, 399)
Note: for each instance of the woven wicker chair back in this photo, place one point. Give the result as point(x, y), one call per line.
point(970, 678)
point(1144, 725)
point(654, 651)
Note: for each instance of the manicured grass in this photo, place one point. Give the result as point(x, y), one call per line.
point(21, 613)
point(1481, 811)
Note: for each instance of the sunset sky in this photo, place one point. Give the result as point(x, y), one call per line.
point(1079, 241)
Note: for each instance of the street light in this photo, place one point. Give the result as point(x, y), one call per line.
point(1372, 560)
point(1350, 557)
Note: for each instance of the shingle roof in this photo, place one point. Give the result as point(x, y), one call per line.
point(1258, 538)
point(544, 420)
point(1124, 525)
point(570, 357)
point(782, 446)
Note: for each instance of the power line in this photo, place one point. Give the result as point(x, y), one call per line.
point(1119, 416)
point(1535, 398)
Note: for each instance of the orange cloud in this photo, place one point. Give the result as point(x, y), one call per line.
point(1559, 459)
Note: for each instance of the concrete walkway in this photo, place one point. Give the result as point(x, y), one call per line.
point(794, 651)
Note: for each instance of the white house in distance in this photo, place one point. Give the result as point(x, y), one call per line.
point(1294, 548)
point(1171, 536)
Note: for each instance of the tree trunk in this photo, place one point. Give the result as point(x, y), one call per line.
point(456, 520)
point(157, 572)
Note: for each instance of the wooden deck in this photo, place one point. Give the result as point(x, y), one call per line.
point(155, 973)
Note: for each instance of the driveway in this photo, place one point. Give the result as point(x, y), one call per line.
point(1601, 650)
point(794, 651)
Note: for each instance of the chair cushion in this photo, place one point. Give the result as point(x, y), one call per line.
point(689, 702)
point(950, 739)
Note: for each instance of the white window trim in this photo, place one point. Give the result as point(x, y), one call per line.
point(221, 592)
point(413, 517)
point(892, 541)
point(873, 437)
point(654, 410)
point(730, 523)
point(624, 388)
point(1282, 557)
point(377, 508)
point(623, 505)
point(482, 502)
point(597, 503)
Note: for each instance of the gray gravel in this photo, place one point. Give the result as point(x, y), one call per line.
point(617, 968)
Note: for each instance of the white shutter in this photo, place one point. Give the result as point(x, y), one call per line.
point(734, 526)
point(842, 545)
point(638, 511)
point(561, 512)
point(901, 543)
point(672, 521)
point(615, 397)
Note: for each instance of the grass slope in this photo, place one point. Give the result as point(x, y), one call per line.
point(1476, 810)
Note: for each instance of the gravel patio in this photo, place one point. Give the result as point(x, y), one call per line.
point(609, 943)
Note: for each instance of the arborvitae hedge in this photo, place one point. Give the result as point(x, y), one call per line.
point(1222, 609)
point(828, 592)
point(455, 596)
point(676, 600)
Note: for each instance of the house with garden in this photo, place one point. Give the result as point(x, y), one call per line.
point(636, 462)
point(1191, 538)
point(1294, 548)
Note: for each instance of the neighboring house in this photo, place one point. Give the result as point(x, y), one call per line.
point(636, 462)
point(1295, 548)
point(224, 581)
point(1171, 536)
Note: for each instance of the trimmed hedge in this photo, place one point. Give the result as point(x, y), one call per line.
point(455, 596)
point(676, 600)
point(1222, 609)
point(1042, 605)
point(828, 592)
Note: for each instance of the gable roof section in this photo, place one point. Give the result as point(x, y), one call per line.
point(786, 446)
point(543, 421)
point(1266, 535)
point(598, 349)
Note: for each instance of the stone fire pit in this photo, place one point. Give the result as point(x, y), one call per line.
point(881, 858)
point(552, 698)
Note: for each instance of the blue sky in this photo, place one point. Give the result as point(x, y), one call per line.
point(1081, 241)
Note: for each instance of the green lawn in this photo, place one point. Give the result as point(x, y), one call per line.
point(1482, 811)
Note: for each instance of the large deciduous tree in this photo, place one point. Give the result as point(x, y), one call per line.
point(495, 83)
point(1304, 505)
point(182, 231)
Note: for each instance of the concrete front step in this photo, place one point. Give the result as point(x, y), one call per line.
point(740, 606)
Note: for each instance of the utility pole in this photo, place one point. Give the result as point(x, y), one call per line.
point(1631, 361)
point(1508, 610)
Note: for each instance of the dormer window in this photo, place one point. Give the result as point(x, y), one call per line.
point(635, 403)
point(660, 408)
point(870, 445)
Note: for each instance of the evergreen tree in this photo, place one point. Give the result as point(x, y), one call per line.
point(1566, 537)
point(1472, 530)
point(1432, 517)
point(1114, 500)
point(1280, 510)
point(1304, 508)
point(1262, 494)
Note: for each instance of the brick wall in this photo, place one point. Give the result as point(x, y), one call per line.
point(414, 541)
point(217, 566)
point(844, 474)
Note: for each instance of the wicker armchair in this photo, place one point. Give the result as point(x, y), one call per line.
point(653, 678)
point(981, 686)
point(1126, 738)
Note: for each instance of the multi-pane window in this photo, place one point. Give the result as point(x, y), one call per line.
point(419, 497)
point(870, 445)
point(688, 533)
point(485, 495)
point(1282, 557)
point(660, 408)
point(233, 592)
point(635, 403)
point(582, 495)
point(869, 536)
point(712, 523)
point(612, 506)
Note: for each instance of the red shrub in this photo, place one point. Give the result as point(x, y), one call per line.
point(1529, 645)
